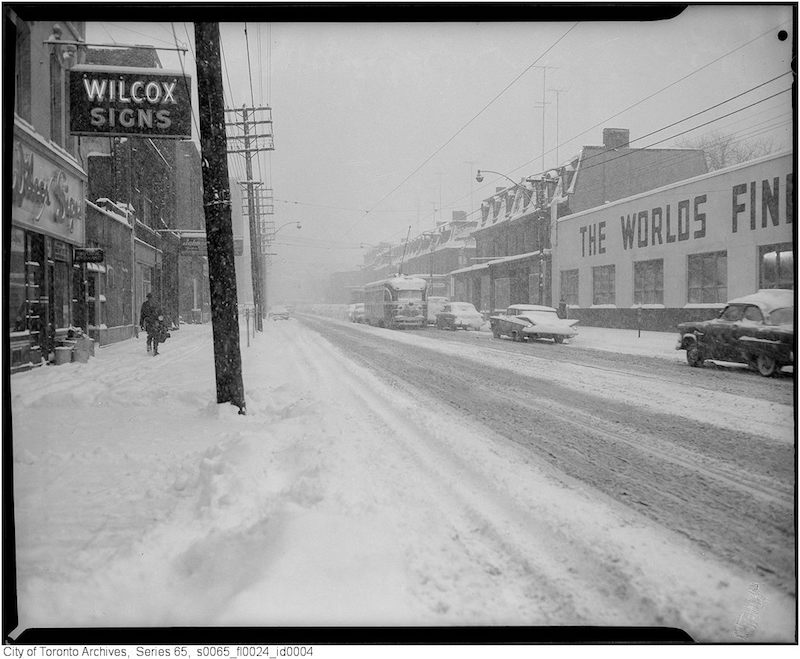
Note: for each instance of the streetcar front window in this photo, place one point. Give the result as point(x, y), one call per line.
point(409, 296)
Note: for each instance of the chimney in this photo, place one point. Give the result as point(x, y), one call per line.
point(616, 138)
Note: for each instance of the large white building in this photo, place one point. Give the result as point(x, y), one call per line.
point(679, 251)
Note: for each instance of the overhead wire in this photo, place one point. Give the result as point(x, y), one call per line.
point(659, 91)
point(460, 130)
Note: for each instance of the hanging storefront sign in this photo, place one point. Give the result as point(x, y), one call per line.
point(88, 255)
point(193, 245)
point(126, 101)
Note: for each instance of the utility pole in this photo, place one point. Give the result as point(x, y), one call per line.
point(544, 103)
point(249, 148)
point(255, 247)
point(558, 93)
point(217, 204)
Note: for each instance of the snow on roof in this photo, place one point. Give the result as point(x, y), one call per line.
point(402, 282)
point(470, 268)
point(767, 299)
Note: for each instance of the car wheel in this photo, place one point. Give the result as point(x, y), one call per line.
point(558, 339)
point(766, 366)
point(694, 356)
point(516, 336)
point(495, 334)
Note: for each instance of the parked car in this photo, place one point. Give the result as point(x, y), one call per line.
point(355, 312)
point(459, 314)
point(532, 321)
point(756, 329)
point(435, 305)
point(278, 313)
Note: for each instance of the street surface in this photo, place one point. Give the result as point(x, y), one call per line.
point(404, 478)
point(725, 483)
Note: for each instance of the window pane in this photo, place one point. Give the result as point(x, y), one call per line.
point(17, 303)
point(708, 278)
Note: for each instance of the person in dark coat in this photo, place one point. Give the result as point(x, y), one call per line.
point(148, 321)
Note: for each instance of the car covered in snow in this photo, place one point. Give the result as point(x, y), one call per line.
point(532, 321)
point(435, 303)
point(756, 329)
point(278, 312)
point(455, 315)
point(355, 312)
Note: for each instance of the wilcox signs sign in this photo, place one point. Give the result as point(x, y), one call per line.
point(125, 101)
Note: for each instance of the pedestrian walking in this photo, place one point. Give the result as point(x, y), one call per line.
point(148, 321)
point(562, 308)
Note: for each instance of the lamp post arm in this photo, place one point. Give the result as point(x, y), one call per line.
point(489, 171)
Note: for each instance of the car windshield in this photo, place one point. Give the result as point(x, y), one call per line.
point(409, 295)
point(782, 316)
point(542, 316)
point(732, 312)
point(464, 307)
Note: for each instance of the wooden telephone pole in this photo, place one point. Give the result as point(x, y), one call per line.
point(249, 136)
point(219, 232)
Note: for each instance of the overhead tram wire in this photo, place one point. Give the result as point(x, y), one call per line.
point(252, 100)
point(696, 114)
point(646, 98)
point(656, 93)
point(460, 130)
point(193, 110)
point(236, 163)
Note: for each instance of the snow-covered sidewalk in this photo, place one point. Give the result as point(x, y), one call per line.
point(337, 500)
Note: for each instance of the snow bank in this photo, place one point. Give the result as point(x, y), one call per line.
point(337, 500)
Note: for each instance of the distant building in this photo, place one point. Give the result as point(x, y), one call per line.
point(513, 238)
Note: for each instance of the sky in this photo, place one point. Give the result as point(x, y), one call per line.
point(380, 128)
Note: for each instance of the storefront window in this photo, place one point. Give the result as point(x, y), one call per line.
point(61, 294)
point(604, 285)
point(34, 275)
point(17, 299)
point(776, 266)
point(708, 278)
point(569, 286)
point(648, 282)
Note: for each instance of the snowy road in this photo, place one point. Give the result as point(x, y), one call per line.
point(726, 484)
point(346, 497)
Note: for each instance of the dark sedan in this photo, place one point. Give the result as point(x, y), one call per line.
point(757, 330)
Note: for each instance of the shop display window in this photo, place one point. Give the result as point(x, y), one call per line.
point(17, 296)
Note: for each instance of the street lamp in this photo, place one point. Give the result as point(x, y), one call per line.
point(297, 224)
point(479, 177)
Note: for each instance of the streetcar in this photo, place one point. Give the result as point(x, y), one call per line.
point(396, 302)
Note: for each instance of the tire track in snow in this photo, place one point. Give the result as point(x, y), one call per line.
point(671, 472)
point(571, 582)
